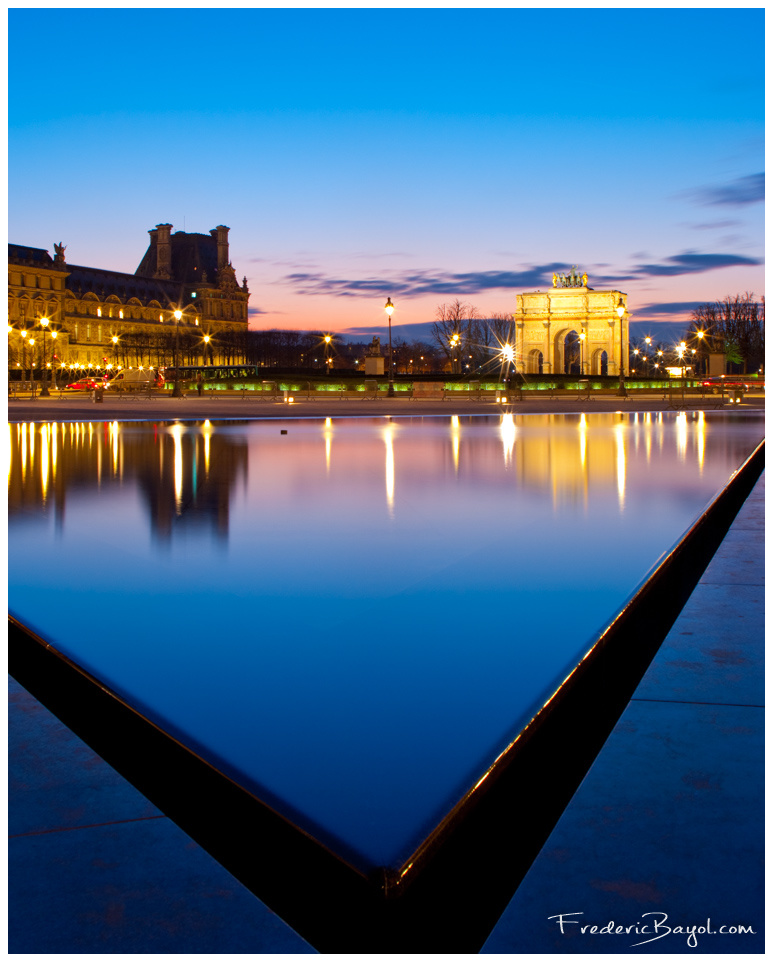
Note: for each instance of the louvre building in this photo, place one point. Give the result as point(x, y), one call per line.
point(185, 288)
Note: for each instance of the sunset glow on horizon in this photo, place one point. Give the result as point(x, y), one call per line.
point(425, 155)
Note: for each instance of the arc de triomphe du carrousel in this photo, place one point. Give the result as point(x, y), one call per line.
point(544, 319)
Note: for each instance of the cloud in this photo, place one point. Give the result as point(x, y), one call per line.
point(668, 307)
point(691, 263)
point(714, 225)
point(417, 283)
point(738, 193)
point(259, 310)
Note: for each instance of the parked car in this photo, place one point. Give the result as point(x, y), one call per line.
point(135, 379)
point(87, 383)
point(733, 382)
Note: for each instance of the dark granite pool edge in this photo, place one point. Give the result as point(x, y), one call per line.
point(462, 889)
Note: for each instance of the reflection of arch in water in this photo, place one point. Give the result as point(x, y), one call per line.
point(599, 362)
point(534, 362)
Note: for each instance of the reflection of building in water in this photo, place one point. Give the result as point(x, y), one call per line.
point(568, 455)
point(185, 472)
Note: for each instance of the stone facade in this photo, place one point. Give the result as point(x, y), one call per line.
point(543, 319)
point(103, 316)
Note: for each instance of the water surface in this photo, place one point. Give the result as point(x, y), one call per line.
point(354, 618)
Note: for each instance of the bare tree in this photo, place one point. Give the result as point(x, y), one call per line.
point(734, 327)
point(453, 331)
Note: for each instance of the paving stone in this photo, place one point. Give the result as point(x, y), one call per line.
point(95, 867)
point(133, 887)
point(55, 780)
point(669, 819)
point(739, 563)
point(715, 651)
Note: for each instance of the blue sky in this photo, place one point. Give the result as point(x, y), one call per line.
point(425, 154)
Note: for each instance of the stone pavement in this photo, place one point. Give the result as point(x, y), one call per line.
point(669, 819)
point(168, 408)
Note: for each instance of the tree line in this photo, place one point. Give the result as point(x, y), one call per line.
point(462, 341)
point(734, 327)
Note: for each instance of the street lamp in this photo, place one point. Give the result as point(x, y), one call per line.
point(701, 335)
point(32, 365)
point(176, 389)
point(621, 313)
point(54, 335)
point(455, 359)
point(582, 344)
point(23, 352)
point(44, 392)
point(389, 307)
point(327, 340)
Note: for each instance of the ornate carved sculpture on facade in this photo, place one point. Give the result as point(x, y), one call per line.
point(571, 279)
point(226, 278)
point(59, 250)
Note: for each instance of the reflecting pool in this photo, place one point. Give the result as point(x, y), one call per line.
point(350, 617)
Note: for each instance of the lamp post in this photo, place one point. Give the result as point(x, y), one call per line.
point(207, 339)
point(176, 389)
point(32, 365)
point(700, 335)
point(389, 307)
point(327, 354)
point(582, 345)
point(44, 392)
point(455, 359)
point(680, 353)
point(621, 313)
point(23, 353)
point(54, 335)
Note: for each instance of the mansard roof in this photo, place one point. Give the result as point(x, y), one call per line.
point(192, 256)
point(103, 283)
point(30, 256)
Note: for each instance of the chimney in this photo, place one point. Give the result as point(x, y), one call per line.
point(222, 245)
point(163, 243)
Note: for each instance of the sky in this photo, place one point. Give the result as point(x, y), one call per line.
point(425, 155)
